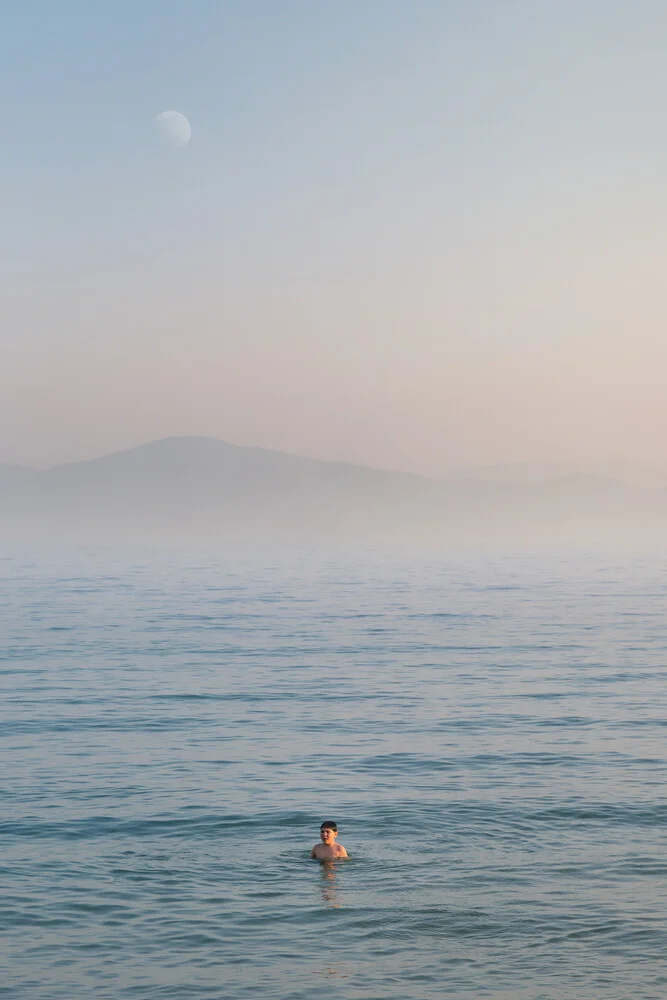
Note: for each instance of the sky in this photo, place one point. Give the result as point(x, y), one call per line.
point(418, 235)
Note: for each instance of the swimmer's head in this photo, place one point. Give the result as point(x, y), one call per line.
point(328, 832)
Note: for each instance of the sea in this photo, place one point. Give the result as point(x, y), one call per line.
point(487, 728)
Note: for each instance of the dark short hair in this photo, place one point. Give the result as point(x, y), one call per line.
point(329, 824)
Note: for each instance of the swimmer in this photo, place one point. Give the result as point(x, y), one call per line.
point(328, 849)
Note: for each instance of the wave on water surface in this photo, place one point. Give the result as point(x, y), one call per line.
point(488, 733)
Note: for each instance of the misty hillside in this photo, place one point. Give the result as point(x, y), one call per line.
point(197, 486)
point(16, 474)
point(531, 473)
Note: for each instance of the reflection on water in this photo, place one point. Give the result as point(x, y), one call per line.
point(331, 897)
point(329, 885)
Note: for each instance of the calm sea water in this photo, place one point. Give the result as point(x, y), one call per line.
point(488, 730)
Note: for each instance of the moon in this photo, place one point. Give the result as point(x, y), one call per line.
point(173, 127)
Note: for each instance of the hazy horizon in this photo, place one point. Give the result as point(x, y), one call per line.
point(203, 488)
point(520, 473)
point(422, 237)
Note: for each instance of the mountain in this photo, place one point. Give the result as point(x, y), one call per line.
point(205, 488)
point(529, 473)
point(16, 474)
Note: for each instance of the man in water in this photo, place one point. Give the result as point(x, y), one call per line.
point(328, 849)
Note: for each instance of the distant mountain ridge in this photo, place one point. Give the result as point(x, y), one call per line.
point(205, 487)
point(9, 470)
point(530, 473)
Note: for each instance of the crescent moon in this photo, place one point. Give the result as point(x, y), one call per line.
point(174, 128)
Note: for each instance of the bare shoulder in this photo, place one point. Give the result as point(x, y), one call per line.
point(340, 851)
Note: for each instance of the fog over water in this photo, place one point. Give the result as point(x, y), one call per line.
point(205, 489)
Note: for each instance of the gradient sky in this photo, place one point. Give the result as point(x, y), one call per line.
point(418, 235)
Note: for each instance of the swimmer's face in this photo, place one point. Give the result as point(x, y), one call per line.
point(327, 835)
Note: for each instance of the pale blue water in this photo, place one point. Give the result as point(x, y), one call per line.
point(487, 730)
